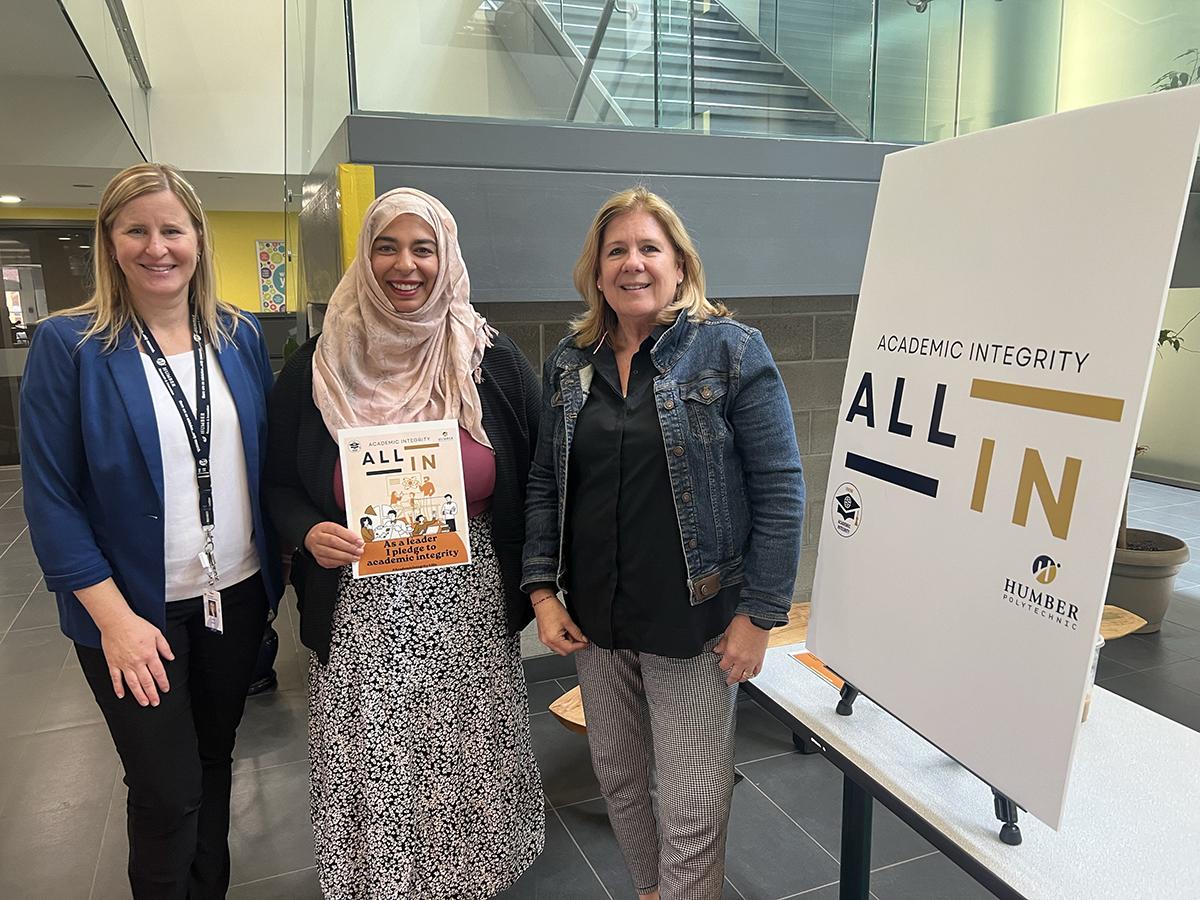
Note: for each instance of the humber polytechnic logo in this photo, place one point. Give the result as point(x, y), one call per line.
point(1037, 601)
point(847, 509)
point(1045, 569)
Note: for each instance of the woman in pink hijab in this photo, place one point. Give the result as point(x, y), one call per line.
point(423, 781)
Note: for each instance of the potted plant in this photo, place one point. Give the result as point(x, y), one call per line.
point(1177, 77)
point(1146, 562)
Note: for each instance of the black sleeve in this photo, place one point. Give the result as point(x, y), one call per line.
point(289, 505)
point(533, 401)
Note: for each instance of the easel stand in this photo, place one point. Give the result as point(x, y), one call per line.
point(1006, 812)
point(1006, 809)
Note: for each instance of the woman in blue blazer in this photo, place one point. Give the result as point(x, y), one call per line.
point(143, 442)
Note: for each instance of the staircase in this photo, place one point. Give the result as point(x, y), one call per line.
point(740, 85)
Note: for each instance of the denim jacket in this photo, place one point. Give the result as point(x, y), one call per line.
point(731, 451)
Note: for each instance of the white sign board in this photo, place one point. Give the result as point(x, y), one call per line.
point(1013, 290)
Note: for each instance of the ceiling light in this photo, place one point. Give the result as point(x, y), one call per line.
point(64, 238)
point(85, 246)
point(9, 198)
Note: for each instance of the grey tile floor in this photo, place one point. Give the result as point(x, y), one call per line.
point(62, 800)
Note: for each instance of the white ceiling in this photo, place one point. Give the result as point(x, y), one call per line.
point(39, 41)
point(60, 128)
point(53, 186)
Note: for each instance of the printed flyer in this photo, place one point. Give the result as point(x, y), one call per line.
point(405, 496)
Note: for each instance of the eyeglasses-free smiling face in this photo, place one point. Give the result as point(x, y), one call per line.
point(404, 261)
point(156, 246)
point(639, 268)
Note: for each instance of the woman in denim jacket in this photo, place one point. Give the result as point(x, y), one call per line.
point(675, 549)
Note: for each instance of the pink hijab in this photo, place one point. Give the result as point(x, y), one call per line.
point(376, 366)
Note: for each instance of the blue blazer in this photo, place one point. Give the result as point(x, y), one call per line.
point(92, 467)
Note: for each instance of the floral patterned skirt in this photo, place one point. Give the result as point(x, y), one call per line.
point(424, 784)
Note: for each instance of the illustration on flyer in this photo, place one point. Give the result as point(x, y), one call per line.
point(404, 491)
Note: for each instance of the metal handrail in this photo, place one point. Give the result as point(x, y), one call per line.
point(589, 61)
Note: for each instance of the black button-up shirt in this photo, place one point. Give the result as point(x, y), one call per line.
point(626, 578)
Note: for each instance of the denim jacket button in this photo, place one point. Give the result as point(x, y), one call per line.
point(692, 544)
point(687, 497)
point(678, 451)
point(706, 392)
point(669, 404)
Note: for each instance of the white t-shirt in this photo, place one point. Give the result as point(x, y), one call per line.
point(233, 532)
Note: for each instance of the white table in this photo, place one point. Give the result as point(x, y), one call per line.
point(1132, 823)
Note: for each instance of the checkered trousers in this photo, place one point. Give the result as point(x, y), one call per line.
point(658, 722)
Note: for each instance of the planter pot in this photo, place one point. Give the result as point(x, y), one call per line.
point(1143, 579)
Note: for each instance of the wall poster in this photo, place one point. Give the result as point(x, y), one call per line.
point(272, 275)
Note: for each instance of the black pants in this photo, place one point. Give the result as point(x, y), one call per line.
point(178, 756)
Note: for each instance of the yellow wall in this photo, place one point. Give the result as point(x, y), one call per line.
point(356, 192)
point(233, 237)
point(234, 234)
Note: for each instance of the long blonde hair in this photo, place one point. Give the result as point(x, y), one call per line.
point(599, 317)
point(110, 306)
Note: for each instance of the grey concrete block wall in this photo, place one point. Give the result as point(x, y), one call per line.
point(810, 339)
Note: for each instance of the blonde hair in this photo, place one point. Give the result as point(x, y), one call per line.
point(110, 306)
point(599, 317)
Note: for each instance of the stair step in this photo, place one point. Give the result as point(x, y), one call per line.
point(798, 90)
point(737, 82)
point(619, 37)
point(729, 110)
point(588, 17)
point(718, 90)
point(612, 57)
point(832, 127)
point(588, 11)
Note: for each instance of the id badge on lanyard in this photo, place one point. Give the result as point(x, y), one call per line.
point(199, 431)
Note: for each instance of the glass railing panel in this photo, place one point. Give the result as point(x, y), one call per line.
point(1110, 54)
point(512, 59)
point(827, 43)
point(624, 67)
point(892, 70)
point(944, 41)
point(675, 67)
point(93, 24)
point(916, 85)
point(317, 99)
point(316, 79)
point(1010, 61)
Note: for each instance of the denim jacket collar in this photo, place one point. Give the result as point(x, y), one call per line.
point(671, 344)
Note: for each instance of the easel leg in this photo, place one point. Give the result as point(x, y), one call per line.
point(849, 694)
point(856, 841)
point(1006, 812)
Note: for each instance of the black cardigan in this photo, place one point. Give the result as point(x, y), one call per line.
point(298, 486)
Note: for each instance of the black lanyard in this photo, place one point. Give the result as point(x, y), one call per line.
point(198, 425)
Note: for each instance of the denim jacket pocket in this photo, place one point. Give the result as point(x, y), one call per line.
point(704, 400)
